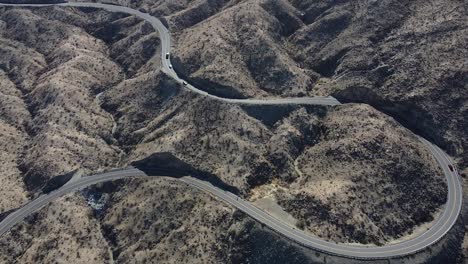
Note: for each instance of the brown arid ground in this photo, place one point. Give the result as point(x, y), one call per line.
point(83, 89)
point(407, 58)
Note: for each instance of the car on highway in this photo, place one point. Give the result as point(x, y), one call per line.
point(451, 167)
point(387, 252)
point(170, 66)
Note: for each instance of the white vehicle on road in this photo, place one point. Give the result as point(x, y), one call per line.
point(439, 229)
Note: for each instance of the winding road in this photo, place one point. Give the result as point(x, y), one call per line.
point(438, 230)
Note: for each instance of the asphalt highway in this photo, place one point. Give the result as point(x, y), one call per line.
point(440, 228)
point(33, 206)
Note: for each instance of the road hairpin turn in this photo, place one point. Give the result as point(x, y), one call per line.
point(438, 230)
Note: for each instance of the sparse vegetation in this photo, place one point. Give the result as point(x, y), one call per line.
point(83, 89)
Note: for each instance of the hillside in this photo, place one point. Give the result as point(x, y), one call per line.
point(410, 65)
point(83, 89)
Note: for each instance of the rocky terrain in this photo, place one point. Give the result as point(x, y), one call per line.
point(82, 89)
point(134, 229)
point(63, 232)
point(56, 77)
point(411, 64)
point(360, 167)
point(406, 58)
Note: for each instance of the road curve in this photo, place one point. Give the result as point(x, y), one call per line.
point(33, 206)
point(439, 229)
